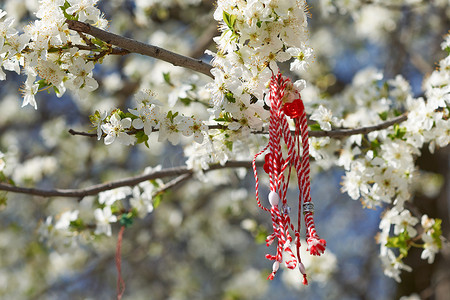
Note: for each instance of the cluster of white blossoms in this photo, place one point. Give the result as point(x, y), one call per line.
point(47, 52)
point(139, 123)
point(384, 169)
point(256, 35)
point(65, 228)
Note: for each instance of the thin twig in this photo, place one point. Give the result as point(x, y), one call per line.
point(174, 182)
point(336, 133)
point(394, 6)
point(134, 46)
point(113, 51)
point(340, 133)
point(74, 132)
point(86, 40)
point(130, 181)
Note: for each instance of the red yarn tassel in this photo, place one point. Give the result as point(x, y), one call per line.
point(285, 102)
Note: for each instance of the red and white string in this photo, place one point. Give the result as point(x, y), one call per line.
point(276, 166)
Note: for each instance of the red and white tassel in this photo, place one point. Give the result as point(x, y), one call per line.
point(285, 102)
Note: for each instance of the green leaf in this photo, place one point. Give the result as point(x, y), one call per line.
point(315, 127)
point(229, 145)
point(226, 18)
point(157, 200)
point(230, 97)
point(375, 146)
point(141, 137)
point(447, 49)
point(166, 77)
point(3, 200)
point(401, 242)
point(437, 232)
point(115, 208)
point(129, 115)
point(233, 21)
point(77, 225)
point(383, 116)
point(95, 117)
point(42, 84)
point(399, 132)
point(228, 117)
point(397, 112)
point(121, 114)
point(186, 101)
point(261, 235)
point(171, 115)
point(55, 89)
point(53, 50)
point(155, 183)
point(230, 20)
point(66, 15)
point(126, 219)
point(98, 42)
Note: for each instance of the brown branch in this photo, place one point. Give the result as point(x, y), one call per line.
point(134, 46)
point(86, 40)
point(394, 6)
point(74, 132)
point(182, 171)
point(340, 133)
point(113, 51)
point(174, 182)
point(336, 133)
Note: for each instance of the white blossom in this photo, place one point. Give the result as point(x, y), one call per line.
point(393, 267)
point(324, 117)
point(64, 220)
point(109, 197)
point(103, 219)
point(116, 128)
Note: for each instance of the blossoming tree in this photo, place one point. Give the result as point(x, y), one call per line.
point(157, 152)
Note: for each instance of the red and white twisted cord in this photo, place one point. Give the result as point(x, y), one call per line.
point(276, 166)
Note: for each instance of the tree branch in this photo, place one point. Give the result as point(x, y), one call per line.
point(133, 46)
point(183, 172)
point(340, 133)
point(394, 6)
point(174, 182)
point(335, 133)
point(114, 51)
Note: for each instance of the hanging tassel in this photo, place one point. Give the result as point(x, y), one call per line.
point(285, 102)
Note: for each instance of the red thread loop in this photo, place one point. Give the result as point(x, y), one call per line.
point(120, 281)
point(285, 102)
